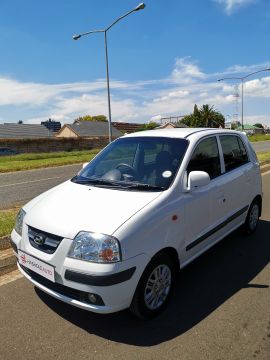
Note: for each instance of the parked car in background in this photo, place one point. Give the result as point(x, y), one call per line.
point(7, 151)
point(115, 235)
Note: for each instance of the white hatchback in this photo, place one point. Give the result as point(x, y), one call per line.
point(115, 235)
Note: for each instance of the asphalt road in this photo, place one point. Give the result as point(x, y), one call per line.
point(261, 146)
point(219, 311)
point(21, 186)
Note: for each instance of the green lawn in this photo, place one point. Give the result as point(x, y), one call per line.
point(7, 220)
point(259, 137)
point(264, 157)
point(40, 160)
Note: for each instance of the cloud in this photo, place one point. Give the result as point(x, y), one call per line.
point(186, 71)
point(136, 101)
point(232, 5)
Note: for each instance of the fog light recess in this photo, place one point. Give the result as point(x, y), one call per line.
point(93, 299)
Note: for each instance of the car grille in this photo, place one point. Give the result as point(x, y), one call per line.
point(43, 241)
point(59, 288)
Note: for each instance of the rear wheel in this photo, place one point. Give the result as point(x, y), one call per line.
point(252, 218)
point(154, 288)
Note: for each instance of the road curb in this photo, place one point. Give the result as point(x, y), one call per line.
point(265, 168)
point(5, 242)
point(7, 261)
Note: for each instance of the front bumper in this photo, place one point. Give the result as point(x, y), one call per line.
point(115, 283)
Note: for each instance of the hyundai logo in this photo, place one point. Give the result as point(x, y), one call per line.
point(39, 239)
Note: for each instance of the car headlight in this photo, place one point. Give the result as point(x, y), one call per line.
point(19, 221)
point(94, 247)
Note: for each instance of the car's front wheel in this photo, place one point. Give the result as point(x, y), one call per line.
point(154, 288)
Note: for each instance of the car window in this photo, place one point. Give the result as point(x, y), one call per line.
point(142, 160)
point(124, 153)
point(234, 151)
point(151, 152)
point(206, 158)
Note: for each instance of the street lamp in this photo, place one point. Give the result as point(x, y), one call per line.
point(242, 82)
point(141, 6)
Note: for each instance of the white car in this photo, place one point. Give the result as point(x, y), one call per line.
point(115, 235)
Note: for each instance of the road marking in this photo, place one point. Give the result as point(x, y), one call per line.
point(266, 173)
point(31, 181)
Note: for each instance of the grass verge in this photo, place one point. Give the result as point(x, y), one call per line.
point(264, 157)
point(259, 137)
point(7, 220)
point(41, 160)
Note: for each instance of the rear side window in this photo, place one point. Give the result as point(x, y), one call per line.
point(206, 158)
point(234, 152)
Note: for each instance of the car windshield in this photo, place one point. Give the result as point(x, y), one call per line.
point(140, 163)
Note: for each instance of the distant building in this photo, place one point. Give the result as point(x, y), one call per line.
point(171, 119)
point(86, 129)
point(170, 125)
point(250, 129)
point(23, 131)
point(126, 128)
point(52, 125)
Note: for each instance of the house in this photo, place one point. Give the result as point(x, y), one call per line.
point(23, 131)
point(86, 129)
point(126, 128)
point(251, 129)
point(170, 125)
point(52, 125)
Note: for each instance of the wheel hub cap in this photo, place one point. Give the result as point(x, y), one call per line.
point(157, 287)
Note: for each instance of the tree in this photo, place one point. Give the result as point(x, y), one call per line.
point(150, 126)
point(206, 116)
point(91, 118)
point(259, 125)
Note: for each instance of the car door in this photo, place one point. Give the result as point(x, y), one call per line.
point(236, 179)
point(201, 210)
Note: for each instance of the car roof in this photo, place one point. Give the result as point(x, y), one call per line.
point(182, 133)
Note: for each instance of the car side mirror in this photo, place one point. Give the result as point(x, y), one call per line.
point(197, 179)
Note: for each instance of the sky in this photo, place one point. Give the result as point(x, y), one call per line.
point(162, 60)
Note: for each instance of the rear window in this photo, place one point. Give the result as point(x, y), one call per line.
point(234, 152)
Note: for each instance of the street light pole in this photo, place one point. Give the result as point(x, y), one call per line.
point(141, 6)
point(108, 87)
point(242, 78)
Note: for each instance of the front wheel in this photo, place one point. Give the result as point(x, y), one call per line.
point(252, 218)
point(154, 288)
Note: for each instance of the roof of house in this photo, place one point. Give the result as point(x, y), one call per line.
point(173, 125)
point(92, 128)
point(23, 131)
point(126, 127)
point(249, 127)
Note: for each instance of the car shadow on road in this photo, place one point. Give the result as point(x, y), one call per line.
point(202, 287)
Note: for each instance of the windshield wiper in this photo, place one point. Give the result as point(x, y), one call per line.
point(99, 182)
point(116, 184)
point(141, 186)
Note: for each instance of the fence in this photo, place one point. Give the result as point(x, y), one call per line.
point(53, 144)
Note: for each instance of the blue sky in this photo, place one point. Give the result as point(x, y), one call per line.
point(162, 59)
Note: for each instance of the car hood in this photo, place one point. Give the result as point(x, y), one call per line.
point(70, 208)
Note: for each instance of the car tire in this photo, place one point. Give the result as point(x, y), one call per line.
point(154, 288)
point(252, 218)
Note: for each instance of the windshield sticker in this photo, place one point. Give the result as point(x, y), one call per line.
point(167, 174)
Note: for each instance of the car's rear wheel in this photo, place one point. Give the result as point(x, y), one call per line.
point(154, 288)
point(252, 218)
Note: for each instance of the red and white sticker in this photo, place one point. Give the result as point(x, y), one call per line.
point(36, 265)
